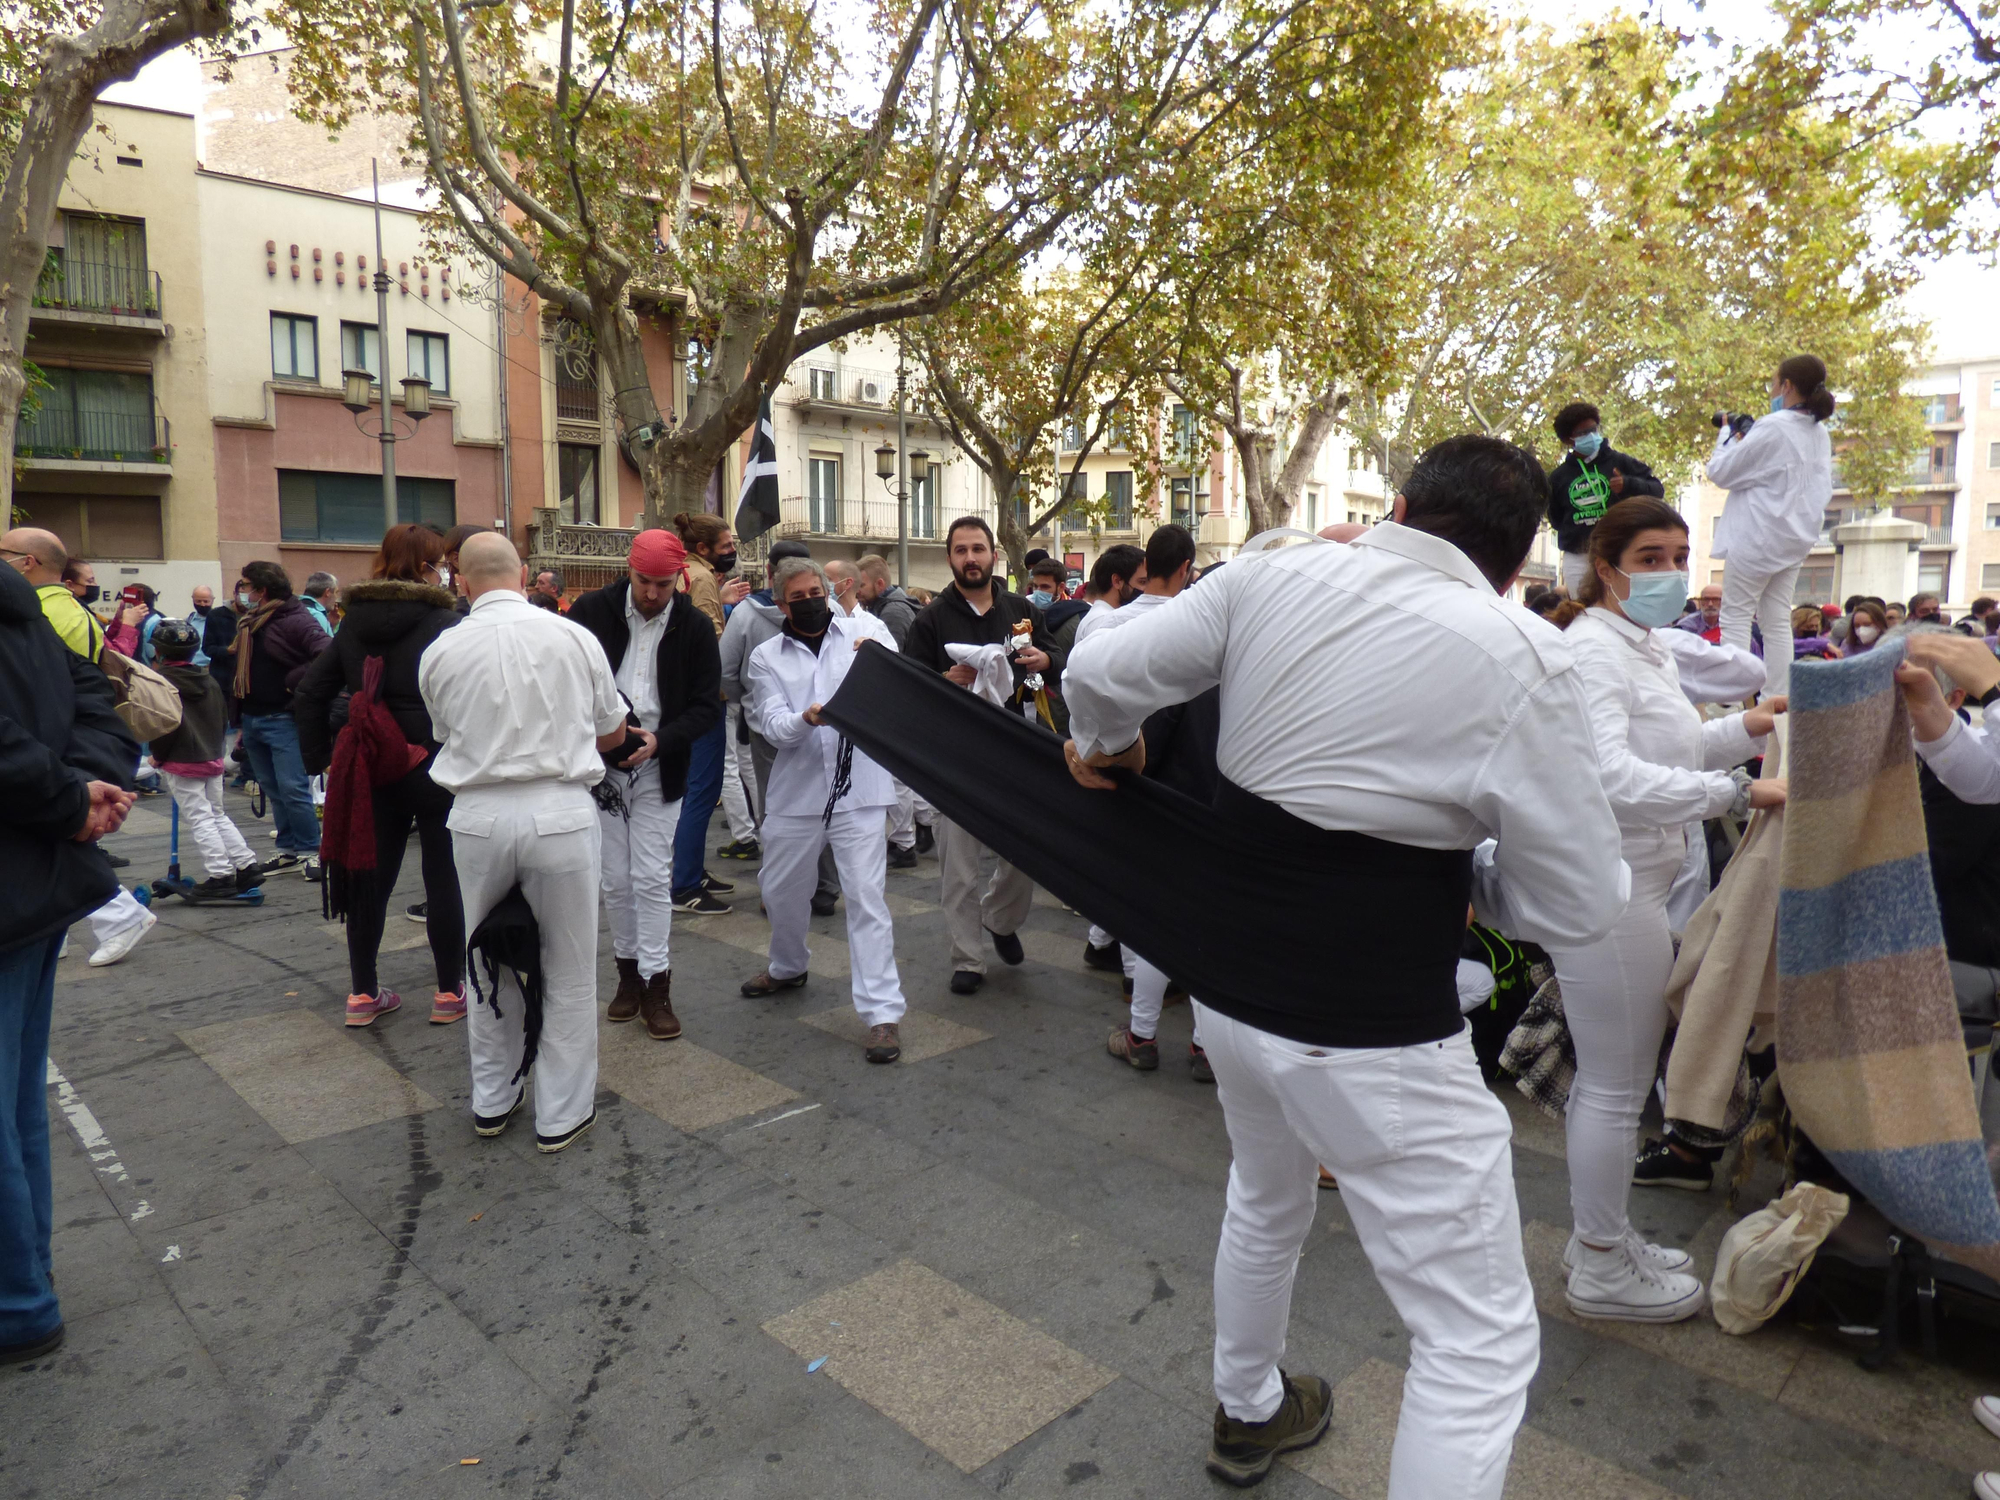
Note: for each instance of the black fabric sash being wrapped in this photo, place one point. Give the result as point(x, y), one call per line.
point(509, 939)
point(1332, 938)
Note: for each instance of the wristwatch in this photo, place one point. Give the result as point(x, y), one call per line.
point(1990, 697)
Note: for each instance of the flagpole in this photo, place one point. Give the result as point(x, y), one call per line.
point(902, 473)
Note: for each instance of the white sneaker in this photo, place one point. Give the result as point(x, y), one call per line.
point(1611, 1284)
point(1986, 1486)
point(123, 943)
point(1659, 1257)
point(1987, 1409)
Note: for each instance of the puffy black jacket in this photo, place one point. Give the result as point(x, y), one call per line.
point(383, 617)
point(690, 667)
point(58, 732)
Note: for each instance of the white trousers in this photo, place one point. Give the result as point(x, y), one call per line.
point(1127, 960)
point(121, 912)
point(543, 836)
point(1149, 998)
point(974, 906)
point(1422, 1151)
point(1575, 568)
point(1615, 1000)
point(638, 869)
point(738, 777)
point(214, 834)
point(909, 811)
point(1748, 589)
point(790, 871)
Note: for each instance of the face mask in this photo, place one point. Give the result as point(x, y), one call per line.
point(1777, 403)
point(92, 593)
point(1656, 598)
point(1587, 445)
point(725, 562)
point(243, 600)
point(203, 609)
point(810, 616)
point(1866, 634)
point(1043, 597)
point(444, 577)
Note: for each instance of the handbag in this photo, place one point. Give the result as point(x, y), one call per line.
point(148, 703)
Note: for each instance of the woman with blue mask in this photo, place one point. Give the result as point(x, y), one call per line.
point(1592, 478)
point(1664, 769)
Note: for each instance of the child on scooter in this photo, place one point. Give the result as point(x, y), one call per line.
point(191, 763)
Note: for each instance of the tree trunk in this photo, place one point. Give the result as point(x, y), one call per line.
point(74, 71)
point(1007, 527)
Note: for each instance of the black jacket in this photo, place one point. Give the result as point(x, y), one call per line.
point(58, 731)
point(281, 649)
point(203, 732)
point(949, 620)
point(385, 617)
point(690, 672)
point(1579, 493)
point(1965, 868)
point(218, 629)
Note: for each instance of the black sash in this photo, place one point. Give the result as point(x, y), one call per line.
point(1328, 937)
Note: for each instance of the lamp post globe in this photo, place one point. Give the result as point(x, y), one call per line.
point(885, 462)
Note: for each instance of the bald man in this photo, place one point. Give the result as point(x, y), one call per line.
point(523, 703)
point(843, 584)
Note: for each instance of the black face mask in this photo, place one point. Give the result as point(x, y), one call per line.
point(810, 616)
point(91, 594)
point(724, 562)
point(203, 609)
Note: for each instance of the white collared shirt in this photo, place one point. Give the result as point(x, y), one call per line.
point(517, 694)
point(1099, 614)
point(1966, 760)
point(1384, 688)
point(1780, 481)
point(639, 673)
point(1719, 673)
point(783, 678)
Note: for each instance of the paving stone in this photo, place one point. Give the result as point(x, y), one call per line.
point(688, 1086)
point(304, 1076)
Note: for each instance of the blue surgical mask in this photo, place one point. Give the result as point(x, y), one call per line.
point(243, 600)
point(1656, 599)
point(1777, 403)
point(1043, 597)
point(1587, 445)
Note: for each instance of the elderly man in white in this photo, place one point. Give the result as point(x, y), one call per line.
point(822, 792)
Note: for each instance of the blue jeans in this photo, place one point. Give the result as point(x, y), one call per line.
point(704, 790)
point(28, 1309)
point(273, 743)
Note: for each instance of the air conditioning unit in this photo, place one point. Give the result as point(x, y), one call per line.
point(874, 392)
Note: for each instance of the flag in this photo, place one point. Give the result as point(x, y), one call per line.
point(757, 504)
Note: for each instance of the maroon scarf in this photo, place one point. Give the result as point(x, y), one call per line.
point(370, 752)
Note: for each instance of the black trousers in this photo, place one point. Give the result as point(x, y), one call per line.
point(419, 800)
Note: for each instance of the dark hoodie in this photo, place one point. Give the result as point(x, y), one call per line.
point(1580, 493)
point(385, 617)
point(204, 728)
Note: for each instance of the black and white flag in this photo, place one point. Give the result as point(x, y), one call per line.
point(757, 504)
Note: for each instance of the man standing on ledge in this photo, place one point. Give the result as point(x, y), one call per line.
point(975, 611)
point(1332, 661)
point(517, 695)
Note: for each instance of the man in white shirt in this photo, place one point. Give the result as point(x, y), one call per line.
point(823, 792)
point(1332, 661)
point(523, 703)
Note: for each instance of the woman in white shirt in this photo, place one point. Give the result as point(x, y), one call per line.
point(1664, 768)
point(1779, 476)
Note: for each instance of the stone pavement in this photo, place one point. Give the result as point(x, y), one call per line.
point(290, 1269)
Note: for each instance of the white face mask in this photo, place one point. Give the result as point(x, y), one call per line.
point(444, 576)
point(1866, 634)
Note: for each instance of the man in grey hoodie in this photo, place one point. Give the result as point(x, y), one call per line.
point(883, 599)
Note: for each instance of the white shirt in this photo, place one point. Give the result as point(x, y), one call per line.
point(1713, 674)
point(1099, 613)
point(1966, 760)
point(517, 693)
point(1780, 481)
point(784, 678)
point(1383, 687)
point(639, 673)
point(1663, 765)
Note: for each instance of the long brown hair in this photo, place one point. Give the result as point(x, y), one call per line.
point(1807, 373)
point(700, 529)
point(405, 552)
point(1611, 536)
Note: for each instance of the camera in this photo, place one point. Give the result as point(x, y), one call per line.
point(1736, 421)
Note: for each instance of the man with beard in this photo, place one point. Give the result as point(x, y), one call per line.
point(974, 612)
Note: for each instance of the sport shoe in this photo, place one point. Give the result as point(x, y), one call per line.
point(1242, 1452)
point(250, 876)
point(1007, 945)
point(216, 886)
point(491, 1125)
point(363, 1009)
point(419, 912)
point(1611, 1284)
point(760, 984)
point(1659, 1257)
point(448, 1006)
point(715, 886)
point(1142, 1052)
point(741, 849)
point(1110, 958)
point(625, 1002)
point(1986, 1486)
point(1659, 1165)
point(313, 870)
point(1987, 1410)
point(885, 1043)
point(698, 903)
point(550, 1144)
point(122, 943)
point(1198, 1066)
point(902, 859)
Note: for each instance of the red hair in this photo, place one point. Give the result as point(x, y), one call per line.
point(405, 552)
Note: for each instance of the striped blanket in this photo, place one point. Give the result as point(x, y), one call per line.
point(1870, 1051)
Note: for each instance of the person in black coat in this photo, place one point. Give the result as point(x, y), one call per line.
point(394, 614)
point(66, 762)
point(1592, 478)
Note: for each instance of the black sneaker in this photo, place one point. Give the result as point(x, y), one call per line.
point(116, 861)
point(715, 887)
point(740, 849)
point(21, 1354)
point(1242, 1452)
point(1110, 958)
point(699, 903)
point(822, 906)
point(216, 885)
point(491, 1125)
point(418, 912)
point(250, 876)
point(902, 859)
point(1007, 945)
point(1660, 1166)
point(550, 1144)
point(966, 981)
point(926, 840)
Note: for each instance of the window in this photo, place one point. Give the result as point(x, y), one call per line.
point(923, 500)
point(430, 357)
point(822, 384)
point(1930, 572)
point(1118, 500)
point(1183, 436)
point(1937, 411)
point(361, 349)
point(576, 378)
point(315, 507)
point(1993, 455)
point(1815, 585)
point(1996, 392)
point(95, 414)
point(1989, 573)
point(576, 483)
point(823, 495)
point(1993, 517)
point(101, 267)
point(1074, 493)
point(99, 526)
point(294, 347)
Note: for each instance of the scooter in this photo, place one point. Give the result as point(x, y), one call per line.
point(176, 885)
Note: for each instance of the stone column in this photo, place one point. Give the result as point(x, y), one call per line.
point(1877, 555)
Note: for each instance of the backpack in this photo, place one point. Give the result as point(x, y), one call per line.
point(148, 703)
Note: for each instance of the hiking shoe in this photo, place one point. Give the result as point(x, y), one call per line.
point(625, 1003)
point(1611, 1284)
point(885, 1043)
point(757, 986)
point(1242, 1452)
point(901, 858)
point(363, 1009)
point(419, 912)
point(741, 849)
point(966, 981)
point(548, 1145)
point(822, 906)
point(489, 1126)
point(1198, 1067)
point(22, 1353)
point(250, 876)
point(1007, 945)
point(1110, 958)
point(1142, 1052)
point(1659, 1257)
point(926, 838)
point(448, 1006)
point(656, 1006)
point(698, 903)
point(1659, 1165)
point(121, 943)
point(714, 886)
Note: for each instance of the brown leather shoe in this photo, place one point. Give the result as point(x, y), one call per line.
point(625, 1004)
point(657, 1006)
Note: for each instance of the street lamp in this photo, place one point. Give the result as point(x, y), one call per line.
point(885, 463)
point(357, 394)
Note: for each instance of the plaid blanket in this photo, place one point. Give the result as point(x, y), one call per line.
point(1870, 1052)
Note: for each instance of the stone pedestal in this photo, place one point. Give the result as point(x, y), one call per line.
point(1877, 555)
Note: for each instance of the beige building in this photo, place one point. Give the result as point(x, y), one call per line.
point(118, 461)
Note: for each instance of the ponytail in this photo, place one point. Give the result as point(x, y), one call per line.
point(1567, 614)
point(699, 528)
point(1807, 374)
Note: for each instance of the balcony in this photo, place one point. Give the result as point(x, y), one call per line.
point(98, 294)
point(80, 439)
point(845, 386)
point(870, 519)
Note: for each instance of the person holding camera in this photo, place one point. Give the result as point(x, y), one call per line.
point(1592, 478)
point(1779, 474)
